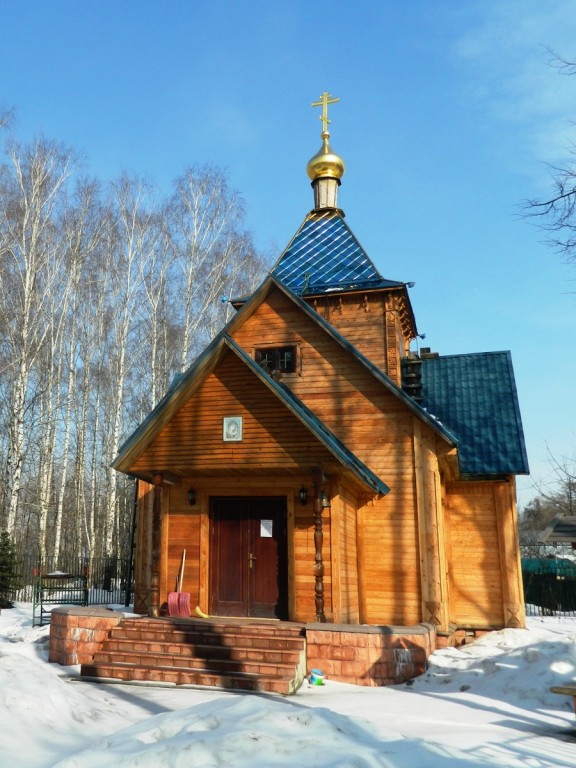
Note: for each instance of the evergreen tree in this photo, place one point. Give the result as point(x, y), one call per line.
point(9, 577)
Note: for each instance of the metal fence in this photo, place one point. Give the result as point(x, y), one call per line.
point(109, 579)
point(549, 578)
point(548, 575)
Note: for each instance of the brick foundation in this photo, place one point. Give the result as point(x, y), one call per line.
point(369, 655)
point(362, 655)
point(77, 633)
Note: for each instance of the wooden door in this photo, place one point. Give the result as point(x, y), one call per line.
point(248, 572)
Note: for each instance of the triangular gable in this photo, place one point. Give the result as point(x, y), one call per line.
point(183, 384)
point(324, 256)
point(474, 396)
point(187, 384)
point(271, 283)
point(376, 372)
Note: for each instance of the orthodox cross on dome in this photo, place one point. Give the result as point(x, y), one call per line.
point(325, 99)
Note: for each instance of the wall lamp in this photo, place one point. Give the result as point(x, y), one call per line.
point(324, 500)
point(303, 496)
point(192, 497)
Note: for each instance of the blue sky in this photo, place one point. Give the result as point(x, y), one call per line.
point(450, 115)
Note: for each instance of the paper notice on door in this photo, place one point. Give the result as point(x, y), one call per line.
point(266, 529)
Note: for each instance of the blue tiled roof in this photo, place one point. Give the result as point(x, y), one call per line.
point(325, 256)
point(475, 397)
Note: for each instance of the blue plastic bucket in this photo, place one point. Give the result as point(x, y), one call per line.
point(316, 677)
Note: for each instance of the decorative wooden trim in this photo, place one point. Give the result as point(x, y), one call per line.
point(318, 544)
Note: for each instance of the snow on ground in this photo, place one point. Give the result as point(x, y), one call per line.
point(487, 703)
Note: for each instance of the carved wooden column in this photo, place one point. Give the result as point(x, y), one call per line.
point(158, 481)
point(318, 559)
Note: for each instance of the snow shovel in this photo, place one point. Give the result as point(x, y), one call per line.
point(178, 601)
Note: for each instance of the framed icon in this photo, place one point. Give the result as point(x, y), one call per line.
point(232, 429)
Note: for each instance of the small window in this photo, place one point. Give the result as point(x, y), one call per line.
point(281, 359)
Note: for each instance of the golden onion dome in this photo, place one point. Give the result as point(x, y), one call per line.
point(325, 164)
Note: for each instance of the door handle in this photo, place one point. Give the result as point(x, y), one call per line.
point(251, 559)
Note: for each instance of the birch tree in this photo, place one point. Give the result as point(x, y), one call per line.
point(104, 296)
point(204, 214)
point(32, 180)
point(82, 225)
point(131, 248)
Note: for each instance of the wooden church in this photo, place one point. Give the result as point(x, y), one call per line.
point(316, 470)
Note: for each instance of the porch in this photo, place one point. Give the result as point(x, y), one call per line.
point(236, 654)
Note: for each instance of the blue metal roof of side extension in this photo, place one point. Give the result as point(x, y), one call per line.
point(475, 397)
point(325, 256)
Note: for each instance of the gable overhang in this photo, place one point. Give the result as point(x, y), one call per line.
point(187, 384)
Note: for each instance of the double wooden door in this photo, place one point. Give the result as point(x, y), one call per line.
point(248, 557)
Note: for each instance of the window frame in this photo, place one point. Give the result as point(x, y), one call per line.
point(277, 348)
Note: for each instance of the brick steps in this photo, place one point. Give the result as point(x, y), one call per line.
point(255, 656)
point(188, 653)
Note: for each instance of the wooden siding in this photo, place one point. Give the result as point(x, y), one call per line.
point(273, 438)
point(378, 428)
point(344, 555)
point(389, 562)
point(360, 318)
point(476, 566)
point(340, 391)
point(511, 568)
point(183, 533)
point(431, 530)
point(373, 323)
